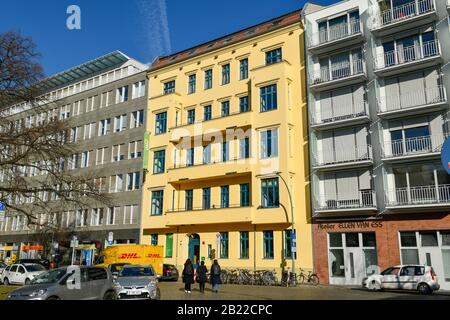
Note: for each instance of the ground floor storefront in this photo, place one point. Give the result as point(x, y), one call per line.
point(233, 245)
point(347, 251)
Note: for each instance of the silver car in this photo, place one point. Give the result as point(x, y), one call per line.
point(69, 283)
point(137, 282)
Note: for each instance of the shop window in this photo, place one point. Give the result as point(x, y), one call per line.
point(445, 236)
point(408, 239)
point(337, 263)
point(335, 240)
point(410, 256)
point(369, 239)
point(352, 240)
point(446, 262)
point(429, 239)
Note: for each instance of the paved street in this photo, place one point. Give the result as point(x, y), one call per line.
point(175, 291)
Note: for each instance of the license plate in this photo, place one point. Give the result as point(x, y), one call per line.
point(134, 292)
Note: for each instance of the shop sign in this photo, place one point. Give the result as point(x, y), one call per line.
point(33, 248)
point(350, 225)
point(6, 248)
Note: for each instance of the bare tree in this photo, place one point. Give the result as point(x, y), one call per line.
point(35, 152)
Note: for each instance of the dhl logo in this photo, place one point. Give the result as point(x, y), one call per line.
point(129, 256)
point(153, 255)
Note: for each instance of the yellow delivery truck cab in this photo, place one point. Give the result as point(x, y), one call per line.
point(132, 254)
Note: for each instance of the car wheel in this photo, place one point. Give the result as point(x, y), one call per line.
point(6, 282)
point(53, 298)
point(424, 289)
point(27, 282)
point(158, 294)
point(374, 286)
point(110, 295)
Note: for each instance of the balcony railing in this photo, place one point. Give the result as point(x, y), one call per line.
point(425, 195)
point(408, 54)
point(404, 12)
point(340, 113)
point(338, 71)
point(334, 33)
point(413, 146)
point(211, 207)
point(239, 159)
point(357, 200)
point(342, 155)
point(432, 95)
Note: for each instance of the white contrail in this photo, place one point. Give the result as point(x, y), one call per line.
point(155, 26)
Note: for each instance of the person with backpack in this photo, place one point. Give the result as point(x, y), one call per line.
point(202, 276)
point(215, 276)
point(188, 275)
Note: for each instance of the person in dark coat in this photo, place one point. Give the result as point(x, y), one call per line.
point(188, 275)
point(201, 276)
point(215, 276)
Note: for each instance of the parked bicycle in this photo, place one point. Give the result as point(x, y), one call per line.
point(308, 278)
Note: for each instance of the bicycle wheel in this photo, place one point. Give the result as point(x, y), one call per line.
point(314, 280)
point(301, 279)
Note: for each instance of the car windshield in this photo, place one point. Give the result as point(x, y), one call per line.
point(136, 272)
point(2, 265)
point(115, 268)
point(52, 276)
point(390, 271)
point(34, 267)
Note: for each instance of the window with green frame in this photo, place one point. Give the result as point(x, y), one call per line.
point(154, 239)
point(270, 193)
point(169, 245)
point(224, 245)
point(288, 244)
point(244, 244)
point(268, 245)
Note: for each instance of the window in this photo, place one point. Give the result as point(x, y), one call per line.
point(116, 182)
point(90, 104)
point(225, 111)
point(244, 148)
point(226, 73)
point(269, 143)
point(207, 154)
point(157, 203)
point(189, 199)
point(268, 244)
point(118, 153)
point(169, 245)
point(101, 152)
point(192, 83)
point(85, 159)
point(97, 217)
point(89, 131)
point(245, 195)
point(130, 212)
point(191, 116)
point(138, 89)
point(244, 244)
point(169, 87)
point(269, 98)
point(207, 113)
point(225, 151)
point(225, 196)
point(154, 239)
point(74, 135)
point(104, 127)
point(224, 245)
point(81, 218)
point(269, 193)
point(274, 56)
point(288, 244)
point(111, 217)
point(159, 161)
point(135, 149)
point(122, 94)
point(208, 79)
point(206, 199)
point(190, 157)
point(133, 181)
point(243, 104)
point(243, 69)
point(120, 123)
point(137, 119)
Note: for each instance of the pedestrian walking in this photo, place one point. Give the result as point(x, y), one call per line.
point(215, 276)
point(201, 276)
point(188, 275)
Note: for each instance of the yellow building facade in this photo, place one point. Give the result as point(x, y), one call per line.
point(227, 151)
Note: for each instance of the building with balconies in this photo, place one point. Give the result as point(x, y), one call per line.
point(378, 109)
point(228, 159)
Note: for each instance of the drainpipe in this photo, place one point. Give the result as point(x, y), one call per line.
point(254, 247)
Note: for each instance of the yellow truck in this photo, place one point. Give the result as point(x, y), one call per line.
point(132, 254)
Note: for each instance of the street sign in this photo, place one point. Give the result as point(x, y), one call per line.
point(445, 155)
point(2, 206)
point(110, 238)
point(294, 242)
point(2, 211)
point(74, 242)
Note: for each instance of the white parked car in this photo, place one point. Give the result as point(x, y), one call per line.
point(404, 277)
point(21, 273)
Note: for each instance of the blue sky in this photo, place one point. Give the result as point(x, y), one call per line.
point(136, 27)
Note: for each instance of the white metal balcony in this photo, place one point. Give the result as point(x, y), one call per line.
point(336, 37)
point(433, 196)
point(413, 103)
point(340, 74)
point(407, 16)
point(417, 147)
point(408, 59)
point(341, 116)
point(344, 157)
point(364, 200)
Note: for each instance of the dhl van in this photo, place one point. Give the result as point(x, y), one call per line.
point(132, 254)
